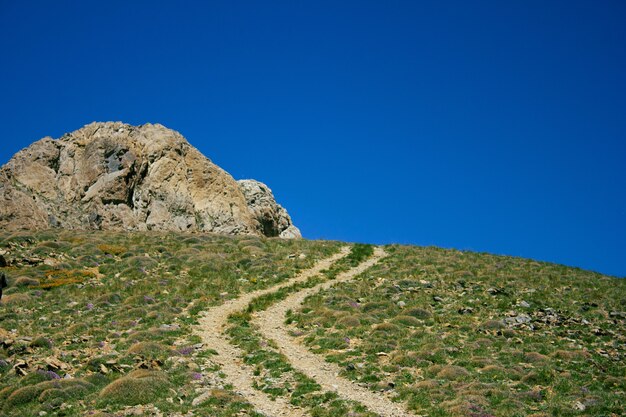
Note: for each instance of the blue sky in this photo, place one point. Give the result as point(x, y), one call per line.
point(490, 126)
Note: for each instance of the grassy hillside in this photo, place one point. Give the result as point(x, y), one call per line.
point(466, 334)
point(96, 306)
point(101, 324)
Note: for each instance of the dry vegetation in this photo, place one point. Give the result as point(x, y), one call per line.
point(464, 334)
point(102, 320)
point(101, 323)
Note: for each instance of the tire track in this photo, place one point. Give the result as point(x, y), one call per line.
point(271, 325)
point(211, 328)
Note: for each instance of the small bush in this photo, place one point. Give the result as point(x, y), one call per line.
point(107, 299)
point(569, 355)
point(59, 277)
point(533, 357)
point(452, 372)
point(375, 305)
point(349, 321)
point(386, 328)
point(426, 384)
point(68, 388)
point(23, 396)
point(419, 313)
point(41, 342)
point(493, 325)
point(150, 350)
point(24, 281)
point(139, 387)
point(16, 299)
point(498, 372)
point(407, 321)
point(51, 393)
point(538, 377)
point(112, 249)
point(5, 392)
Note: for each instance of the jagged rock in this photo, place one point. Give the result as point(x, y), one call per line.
point(272, 217)
point(117, 176)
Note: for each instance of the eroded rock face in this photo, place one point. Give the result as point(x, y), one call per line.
point(117, 176)
point(272, 217)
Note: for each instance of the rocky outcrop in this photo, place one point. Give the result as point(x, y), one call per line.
point(117, 176)
point(272, 217)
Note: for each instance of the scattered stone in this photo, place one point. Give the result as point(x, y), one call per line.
point(496, 291)
point(426, 284)
point(519, 319)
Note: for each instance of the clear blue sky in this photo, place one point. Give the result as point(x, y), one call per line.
point(493, 126)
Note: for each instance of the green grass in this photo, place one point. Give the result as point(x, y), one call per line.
point(466, 334)
point(449, 333)
point(106, 305)
point(273, 374)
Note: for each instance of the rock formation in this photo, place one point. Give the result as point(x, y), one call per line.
point(273, 217)
point(117, 176)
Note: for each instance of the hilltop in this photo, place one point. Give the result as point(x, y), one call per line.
point(114, 176)
point(112, 308)
point(154, 323)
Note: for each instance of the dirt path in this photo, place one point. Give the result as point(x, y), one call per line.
point(271, 325)
point(212, 325)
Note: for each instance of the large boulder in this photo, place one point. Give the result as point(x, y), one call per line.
point(272, 217)
point(117, 176)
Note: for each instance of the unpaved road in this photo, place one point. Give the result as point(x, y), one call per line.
point(213, 323)
point(211, 328)
point(271, 325)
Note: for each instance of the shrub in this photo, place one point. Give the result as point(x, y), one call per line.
point(349, 321)
point(6, 392)
point(419, 313)
point(533, 357)
point(386, 328)
point(16, 299)
point(493, 325)
point(51, 393)
point(407, 321)
point(426, 384)
point(67, 388)
point(495, 372)
point(138, 387)
point(570, 354)
point(59, 277)
point(150, 350)
point(107, 299)
point(112, 249)
point(24, 281)
point(23, 395)
point(41, 342)
point(538, 377)
point(452, 372)
point(375, 305)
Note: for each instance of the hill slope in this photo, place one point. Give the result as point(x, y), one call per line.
point(114, 176)
point(114, 323)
